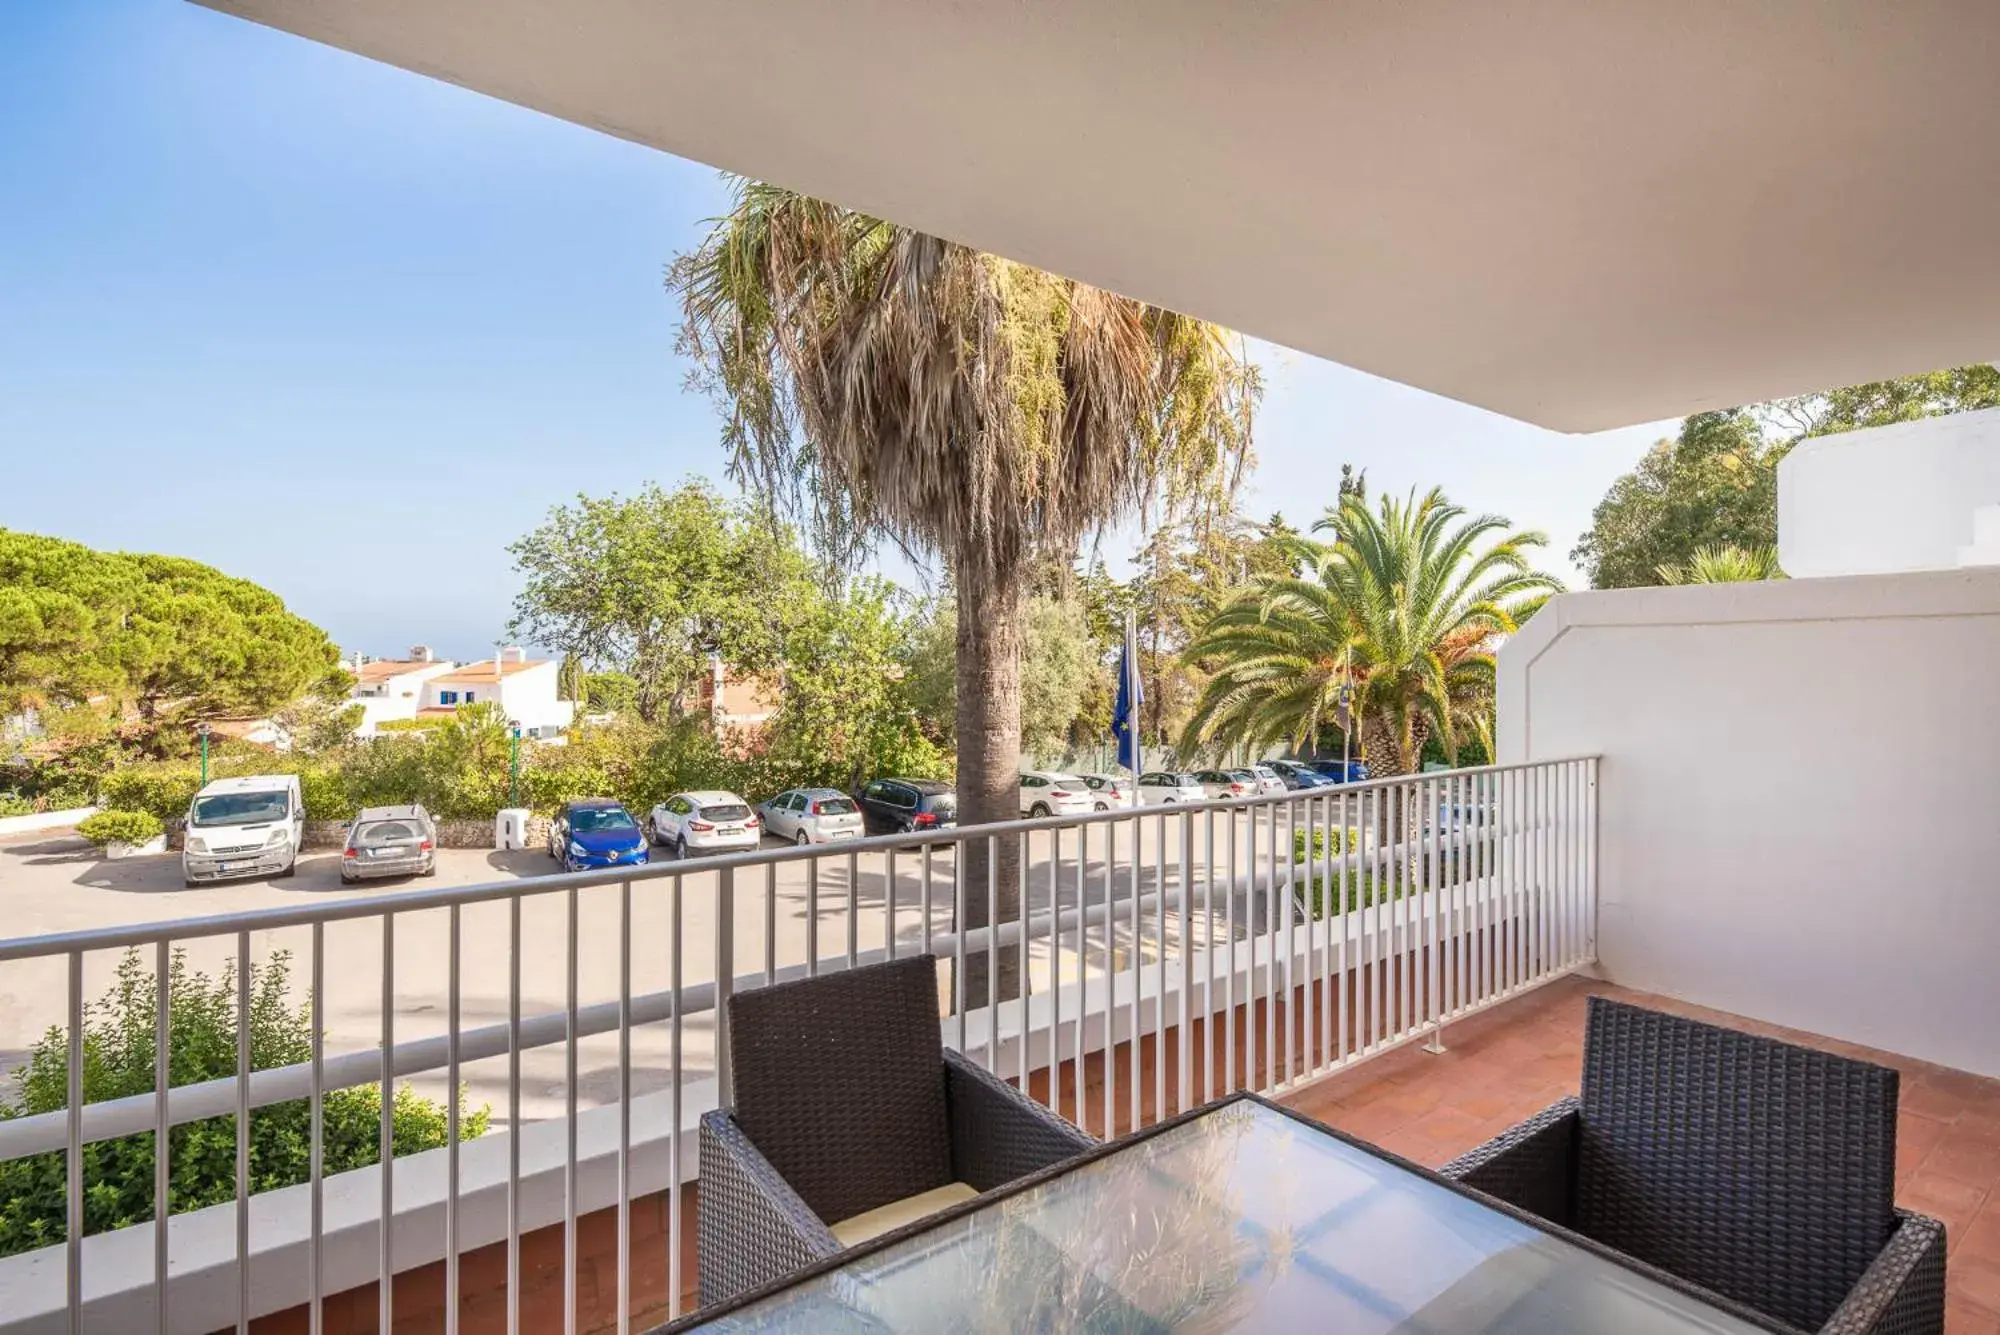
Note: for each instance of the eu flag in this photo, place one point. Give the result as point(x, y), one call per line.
point(1125, 713)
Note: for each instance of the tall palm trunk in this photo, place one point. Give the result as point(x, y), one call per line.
point(1391, 748)
point(989, 757)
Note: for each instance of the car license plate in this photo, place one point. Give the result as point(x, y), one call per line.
point(226, 866)
point(729, 829)
point(848, 833)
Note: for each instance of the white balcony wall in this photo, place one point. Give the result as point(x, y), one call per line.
point(1799, 795)
point(1908, 496)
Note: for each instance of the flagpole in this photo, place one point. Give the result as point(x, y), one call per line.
point(1347, 714)
point(1132, 694)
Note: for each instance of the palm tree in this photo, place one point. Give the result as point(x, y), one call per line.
point(876, 381)
point(1405, 602)
point(1724, 565)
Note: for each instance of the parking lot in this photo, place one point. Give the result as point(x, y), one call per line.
point(57, 883)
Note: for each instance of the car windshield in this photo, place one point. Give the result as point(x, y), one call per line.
point(832, 806)
point(585, 820)
point(239, 808)
point(726, 811)
point(384, 832)
point(1242, 776)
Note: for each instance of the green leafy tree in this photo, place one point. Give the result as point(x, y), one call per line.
point(878, 382)
point(1880, 402)
point(652, 585)
point(1715, 484)
point(172, 638)
point(1409, 598)
point(1725, 565)
point(842, 699)
point(1059, 663)
point(323, 719)
point(1062, 671)
point(609, 692)
point(201, 1162)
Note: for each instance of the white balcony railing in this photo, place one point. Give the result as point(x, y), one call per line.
point(1166, 956)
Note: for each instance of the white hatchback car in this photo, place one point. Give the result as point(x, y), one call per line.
point(704, 822)
point(812, 816)
point(1164, 788)
point(1109, 790)
point(1044, 793)
point(1268, 779)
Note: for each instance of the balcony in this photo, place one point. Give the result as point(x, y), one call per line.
point(1403, 959)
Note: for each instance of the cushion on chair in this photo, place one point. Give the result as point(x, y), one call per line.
point(895, 1214)
point(839, 1083)
point(1759, 1169)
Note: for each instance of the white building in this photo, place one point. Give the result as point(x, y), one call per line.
point(526, 689)
point(393, 688)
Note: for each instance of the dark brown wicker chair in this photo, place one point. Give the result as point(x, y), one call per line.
point(846, 1102)
point(1752, 1168)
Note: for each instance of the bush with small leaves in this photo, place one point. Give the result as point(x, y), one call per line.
point(201, 1163)
point(120, 827)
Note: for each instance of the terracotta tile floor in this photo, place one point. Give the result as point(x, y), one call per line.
point(1516, 1059)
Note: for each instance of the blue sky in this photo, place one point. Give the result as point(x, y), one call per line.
point(347, 332)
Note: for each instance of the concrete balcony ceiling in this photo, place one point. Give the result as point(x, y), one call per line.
point(1580, 214)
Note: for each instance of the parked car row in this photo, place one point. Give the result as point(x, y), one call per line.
point(254, 825)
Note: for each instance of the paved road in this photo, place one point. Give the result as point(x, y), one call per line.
point(56, 883)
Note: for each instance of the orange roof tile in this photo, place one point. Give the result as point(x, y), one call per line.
point(478, 672)
point(381, 669)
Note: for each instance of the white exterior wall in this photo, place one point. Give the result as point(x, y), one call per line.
point(1890, 498)
point(399, 696)
point(530, 696)
point(527, 695)
point(1799, 796)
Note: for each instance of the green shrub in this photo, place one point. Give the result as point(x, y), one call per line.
point(13, 804)
point(324, 790)
point(412, 724)
point(118, 1063)
point(1343, 839)
point(67, 796)
point(161, 790)
point(120, 827)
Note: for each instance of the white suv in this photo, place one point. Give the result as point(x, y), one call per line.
point(704, 822)
point(1048, 794)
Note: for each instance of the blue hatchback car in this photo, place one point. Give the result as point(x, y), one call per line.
point(595, 832)
point(1342, 771)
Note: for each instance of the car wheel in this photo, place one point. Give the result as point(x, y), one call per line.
point(681, 848)
point(1039, 809)
point(652, 833)
point(1166, 801)
point(345, 879)
point(431, 870)
point(801, 839)
point(1104, 806)
point(291, 869)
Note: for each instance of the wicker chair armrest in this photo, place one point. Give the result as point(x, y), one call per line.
point(750, 1225)
point(998, 1133)
point(1902, 1291)
point(1531, 1166)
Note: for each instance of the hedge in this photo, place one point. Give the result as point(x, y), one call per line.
point(120, 827)
point(460, 771)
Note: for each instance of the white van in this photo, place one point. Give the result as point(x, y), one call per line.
point(244, 827)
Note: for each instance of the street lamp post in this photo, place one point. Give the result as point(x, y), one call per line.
point(201, 731)
point(513, 762)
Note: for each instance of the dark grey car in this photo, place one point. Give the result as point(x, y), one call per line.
point(389, 841)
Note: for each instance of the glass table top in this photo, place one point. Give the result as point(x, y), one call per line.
point(1241, 1219)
